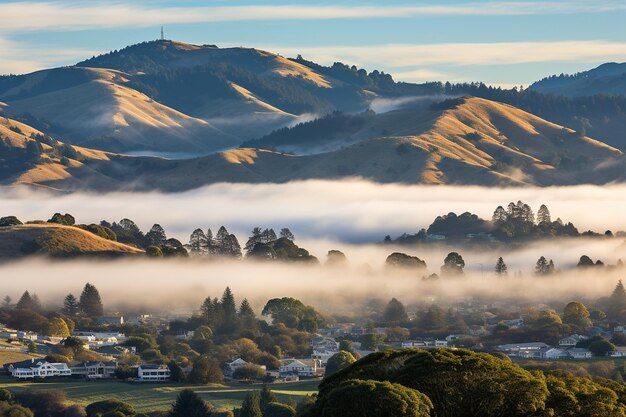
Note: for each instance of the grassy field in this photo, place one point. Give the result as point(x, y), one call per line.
point(9, 356)
point(153, 397)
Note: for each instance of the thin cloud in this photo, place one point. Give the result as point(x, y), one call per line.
point(497, 53)
point(20, 58)
point(77, 16)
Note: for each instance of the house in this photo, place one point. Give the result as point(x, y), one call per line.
point(324, 344)
point(423, 344)
point(148, 372)
point(6, 335)
point(299, 368)
point(579, 353)
point(114, 350)
point(571, 341)
point(551, 353)
point(231, 367)
point(38, 368)
point(94, 370)
point(522, 350)
point(111, 320)
point(619, 352)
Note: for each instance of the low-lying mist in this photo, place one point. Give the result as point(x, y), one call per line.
point(356, 211)
point(350, 216)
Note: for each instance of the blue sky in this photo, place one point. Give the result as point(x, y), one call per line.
point(499, 42)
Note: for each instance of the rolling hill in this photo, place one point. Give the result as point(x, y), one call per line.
point(55, 240)
point(609, 79)
point(460, 141)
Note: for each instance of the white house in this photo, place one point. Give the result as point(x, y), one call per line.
point(37, 368)
point(571, 341)
point(423, 344)
point(153, 373)
point(619, 352)
point(94, 370)
point(552, 353)
point(299, 367)
point(522, 350)
point(231, 367)
point(323, 348)
point(579, 353)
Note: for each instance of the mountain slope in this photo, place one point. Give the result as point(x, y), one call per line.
point(607, 79)
point(57, 241)
point(96, 108)
point(465, 141)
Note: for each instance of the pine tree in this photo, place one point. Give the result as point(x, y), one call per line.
point(254, 238)
point(527, 214)
point(90, 303)
point(541, 268)
point(395, 312)
point(501, 268)
point(251, 406)
point(543, 215)
point(222, 242)
point(189, 404)
point(266, 396)
point(617, 300)
point(212, 312)
point(28, 302)
point(176, 372)
point(7, 301)
point(286, 234)
point(230, 312)
point(197, 242)
point(268, 235)
point(210, 243)
point(232, 248)
point(70, 305)
point(247, 318)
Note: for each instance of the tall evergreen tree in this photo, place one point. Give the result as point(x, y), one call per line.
point(28, 302)
point(247, 318)
point(232, 248)
point(90, 302)
point(254, 238)
point(70, 305)
point(395, 312)
point(543, 215)
point(6, 302)
point(222, 242)
point(251, 406)
point(268, 235)
point(198, 242)
point(501, 268)
point(266, 396)
point(189, 404)
point(230, 311)
point(210, 243)
point(212, 312)
point(617, 300)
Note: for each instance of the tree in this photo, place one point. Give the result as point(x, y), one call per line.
point(14, 410)
point(499, 215)
point(104, 407)
point(189, 404)
point(336, 258)
point(90, 302)
point(266, 397)
point(28, 302)
point(253, 239)
point(251, 406)
point(64, 219)
point(358, 398)
point(70, 305)
point(6, 302)
point(543, 267)
point(206, 371)
point(395, 312)
point(154, 252)
point(276, 409)
point(176, 372)
point(370, 341)
point(339, 361)
point(543, 215)
point(198, 242)
point(249, 371)
point(57, 327)
point(501, 268)
point(286, 233)
point(247, 318)
point(209, 248)
point(577, 315)
point(617, 300)
point(398, 260)
point(32, 347)
point(585, 262)
point(229, 309)
point(453, 265)
point(293, 313)
point(601, 347)
point(156, 236)
point(212, 312)
point(75, 410)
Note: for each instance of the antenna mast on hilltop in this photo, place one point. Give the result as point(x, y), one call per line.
point(162, 34)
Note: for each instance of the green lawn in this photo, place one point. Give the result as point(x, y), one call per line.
point(153, 397)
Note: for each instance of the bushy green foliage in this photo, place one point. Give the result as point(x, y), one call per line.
point(109, 406)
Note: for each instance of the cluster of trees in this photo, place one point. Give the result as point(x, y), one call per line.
point(458, 383)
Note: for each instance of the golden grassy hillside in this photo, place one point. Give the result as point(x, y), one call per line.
point(57, 241)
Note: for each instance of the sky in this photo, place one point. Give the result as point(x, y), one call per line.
point(498, 42)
